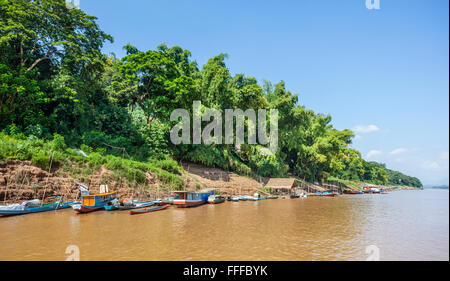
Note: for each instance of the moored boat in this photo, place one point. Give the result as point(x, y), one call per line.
point(135, 205)
point(348, 191)
point(165, 201)
point(184, 199)
point(94, 202)
point(235, 198)
point(216, 199)
point(33, 206)
point(330, 194)
point(317, 193)
point(144, 211)
point(112, 205)
point(243, 197)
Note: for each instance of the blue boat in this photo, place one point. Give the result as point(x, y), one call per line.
point(183, 199)
point(135, 205)
point(34, 207)
point(94, 202)
point(243, 197)
point(111, 207)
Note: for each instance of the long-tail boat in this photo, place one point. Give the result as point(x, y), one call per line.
point(33, 206)
point(128, 205)
point(136, 205)
point(349, 191)
point(330, 194)
point(216, 199)
point(94, 202)
point(183, 199)
point(243, 197)
point(143, 211)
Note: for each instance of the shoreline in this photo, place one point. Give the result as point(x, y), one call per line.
point(17, 178)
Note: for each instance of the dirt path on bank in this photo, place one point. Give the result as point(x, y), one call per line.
point(227, 183)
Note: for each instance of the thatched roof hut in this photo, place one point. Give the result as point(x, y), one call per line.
point(284, 185)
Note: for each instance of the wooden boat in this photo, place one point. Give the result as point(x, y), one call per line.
point(135, 205)
point(94, 202)
point(184, 199)
point(165, 201)
point(144, 211)
point(293, 196)
point(272, 197)
point(112, 205)
point(243, 197)
point(235, 198)
point(216, 199)
point(330, 194)
point(26, 208)
point(347, 191)
point(318, 193)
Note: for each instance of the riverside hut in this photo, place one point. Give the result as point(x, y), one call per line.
point(282, 185)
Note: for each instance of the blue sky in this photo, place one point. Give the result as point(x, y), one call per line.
point(383, 73)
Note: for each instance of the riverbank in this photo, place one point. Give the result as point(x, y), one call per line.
point(17, 178)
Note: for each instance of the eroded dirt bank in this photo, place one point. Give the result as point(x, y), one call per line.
point(17, 179)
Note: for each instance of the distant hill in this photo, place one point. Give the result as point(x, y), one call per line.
point(437, 186)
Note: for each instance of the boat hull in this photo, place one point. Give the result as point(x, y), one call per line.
point(330, 194)
point(188, 203)
point(53, 207)
point(137, 205)
point(352, 192)
point(111, 207)
point(216, 201)
point(144, 211)
point(85, 209)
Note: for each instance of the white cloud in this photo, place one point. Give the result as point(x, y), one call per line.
point(398, 151)
point(430, 165)
point(373, 153)
point(363, 129)
point(444, 155)
point(357, 137)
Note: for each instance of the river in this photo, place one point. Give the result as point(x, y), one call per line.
point(401, 225)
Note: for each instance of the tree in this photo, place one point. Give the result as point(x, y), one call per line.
point(152, 81)
point(39, 30)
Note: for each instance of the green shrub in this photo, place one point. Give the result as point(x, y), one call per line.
point(58, 142)
point(41, 160)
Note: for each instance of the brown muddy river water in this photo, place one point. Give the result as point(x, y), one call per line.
point(401, 225)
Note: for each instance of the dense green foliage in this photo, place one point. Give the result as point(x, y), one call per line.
point(48, 154)
point(54, 79)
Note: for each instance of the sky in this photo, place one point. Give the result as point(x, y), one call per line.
point(381, 72)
